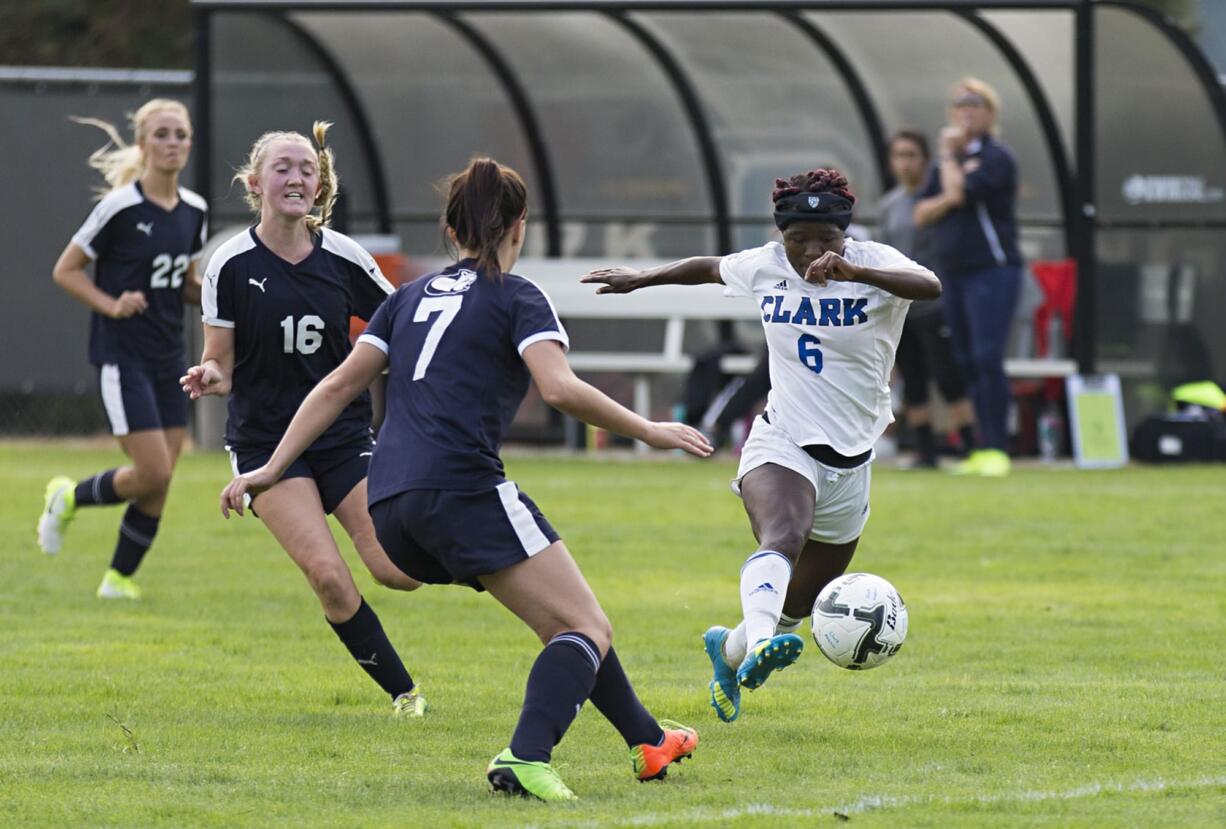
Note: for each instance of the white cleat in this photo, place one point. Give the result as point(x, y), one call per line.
point(59, 507)
point(412, 704)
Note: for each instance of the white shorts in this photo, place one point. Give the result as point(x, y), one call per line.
point(840, 509)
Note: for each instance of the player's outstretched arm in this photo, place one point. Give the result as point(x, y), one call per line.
point(317, 412)
point(567, 393)
point(697, 270)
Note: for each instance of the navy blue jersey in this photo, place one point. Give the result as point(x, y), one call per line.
point(982, 233)
point(137, 245)
point(291, 328)
point(456, 377)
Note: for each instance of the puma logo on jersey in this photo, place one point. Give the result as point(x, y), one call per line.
point(145, 228)
point(831, 311)
point(259, 284)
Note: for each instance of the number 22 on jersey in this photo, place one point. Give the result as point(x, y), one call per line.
point(163, 276)
point(441, 312)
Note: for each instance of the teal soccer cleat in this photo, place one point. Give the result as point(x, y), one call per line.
point(769, 655)
point(725, 692)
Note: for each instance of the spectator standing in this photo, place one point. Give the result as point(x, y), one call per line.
point(970, 201)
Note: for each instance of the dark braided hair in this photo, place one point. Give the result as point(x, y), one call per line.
point(821, 180)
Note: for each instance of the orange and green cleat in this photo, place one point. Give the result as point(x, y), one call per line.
point(652, 762)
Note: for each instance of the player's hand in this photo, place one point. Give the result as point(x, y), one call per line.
point(678, 436)
point(614, 280)
point(830, 267)
point(952, 139)
point(252, 483)
point(128, 304)
point(202, 380)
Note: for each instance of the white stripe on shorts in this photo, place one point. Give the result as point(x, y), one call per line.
point(530, 535)
point(112, 399)
point(234, 466)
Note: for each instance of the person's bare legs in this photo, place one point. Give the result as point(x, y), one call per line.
point(293, 513)
point(548, 592)
point(353, 515)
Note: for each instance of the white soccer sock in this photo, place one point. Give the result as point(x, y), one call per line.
point(787, 624)
point(764, 582)
point(735, 646)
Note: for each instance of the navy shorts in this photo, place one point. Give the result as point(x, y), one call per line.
point(336, 471)
point(440, 536)
point(139, 397)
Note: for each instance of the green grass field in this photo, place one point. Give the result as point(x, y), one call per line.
point(1064, 665)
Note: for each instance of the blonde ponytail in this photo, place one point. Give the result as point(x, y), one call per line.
point(126, 162)
point(329, 181)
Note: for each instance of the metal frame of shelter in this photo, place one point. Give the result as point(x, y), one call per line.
point(1074, 177)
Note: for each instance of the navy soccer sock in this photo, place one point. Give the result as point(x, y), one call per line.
point(561, 679)
point(363, 636)
point(614, 697)
point(136, 533)
point(100, 489)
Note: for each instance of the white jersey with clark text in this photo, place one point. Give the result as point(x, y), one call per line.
point(831, 349)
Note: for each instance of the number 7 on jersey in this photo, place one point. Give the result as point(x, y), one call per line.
point(443, 309)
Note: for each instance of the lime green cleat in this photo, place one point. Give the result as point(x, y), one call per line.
point(115, 585)
point(412, 704)
point(59, 507)
point(527, 778)
point(971, 465)
point(995, 464)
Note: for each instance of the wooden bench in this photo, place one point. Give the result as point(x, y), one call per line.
point(674, 305)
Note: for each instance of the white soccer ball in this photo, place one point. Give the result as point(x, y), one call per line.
point(859, 621)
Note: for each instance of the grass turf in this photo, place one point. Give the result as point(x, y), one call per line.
point(1063, 666)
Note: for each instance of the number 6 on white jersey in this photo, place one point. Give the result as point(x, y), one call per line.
point(446, 307)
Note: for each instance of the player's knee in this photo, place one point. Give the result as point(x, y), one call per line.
point(600, 631)
point(595, 626)
point(788, 539)
point(331, 582)
point(152, 481)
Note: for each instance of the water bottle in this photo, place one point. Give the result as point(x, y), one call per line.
point(1049, 427)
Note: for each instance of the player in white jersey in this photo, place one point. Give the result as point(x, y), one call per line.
point(833, 310)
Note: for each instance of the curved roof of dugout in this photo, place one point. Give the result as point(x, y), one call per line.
point(658, 127)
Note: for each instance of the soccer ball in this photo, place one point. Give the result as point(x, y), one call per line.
point(859, 621)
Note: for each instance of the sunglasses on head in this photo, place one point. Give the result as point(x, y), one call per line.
point(969, 100)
